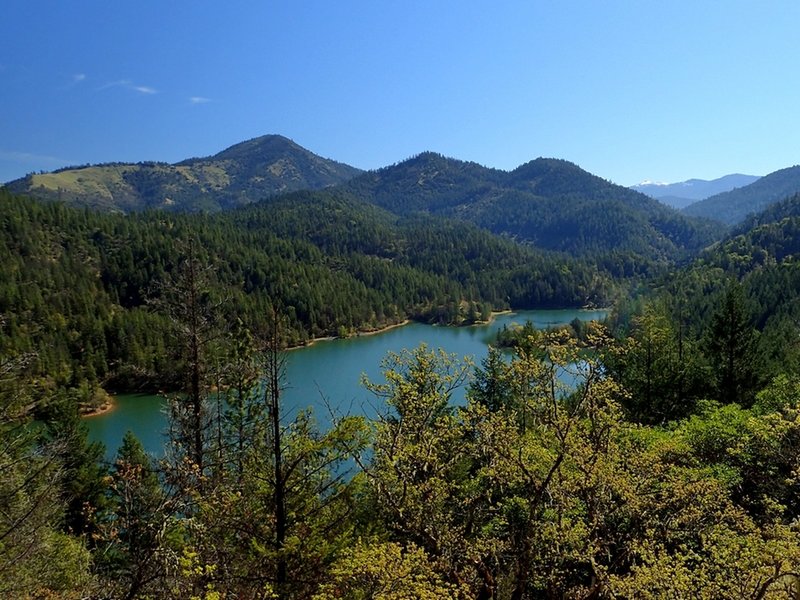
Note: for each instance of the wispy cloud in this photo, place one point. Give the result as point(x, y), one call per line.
point(113, 84)
point(128, 85)
point(75, 80)
point(199, 100)
point(28, 157)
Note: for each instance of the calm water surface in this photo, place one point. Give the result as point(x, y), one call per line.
point(326, 375)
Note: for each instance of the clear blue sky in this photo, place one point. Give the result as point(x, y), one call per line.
point(629, 90)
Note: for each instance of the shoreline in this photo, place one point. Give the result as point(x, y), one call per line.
point(105, 408)
point(492, 316)
point(381, 330)
point(110, 404)
point(331, 338)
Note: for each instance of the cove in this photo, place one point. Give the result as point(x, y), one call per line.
point(326, 375)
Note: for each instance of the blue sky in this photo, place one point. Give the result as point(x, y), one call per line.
point(629, 90)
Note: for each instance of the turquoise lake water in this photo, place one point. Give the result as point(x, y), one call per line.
point(327, 374)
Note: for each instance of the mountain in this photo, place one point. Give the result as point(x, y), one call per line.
point(760, 242)
point(680, 195)
point(734, 206)
point(241, 174)
point(549, 203)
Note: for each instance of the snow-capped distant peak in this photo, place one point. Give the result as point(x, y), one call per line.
point(683, 193)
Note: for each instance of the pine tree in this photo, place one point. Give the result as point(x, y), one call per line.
point(731, 347)
point(131, 553)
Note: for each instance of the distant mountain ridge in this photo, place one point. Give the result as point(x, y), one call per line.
point(682, 194)
point(549, 203)
point(734, 206)
point(244, 173)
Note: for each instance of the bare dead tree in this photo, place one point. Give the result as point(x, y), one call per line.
point(187, 299)
point(274, 367)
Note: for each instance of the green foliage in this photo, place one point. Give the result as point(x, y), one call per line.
point(268, 505)
point(386, 572)
point(37, 558)
point(731, 348)
point(555, 495)
point(84, 487)
point(757, 451)
point(491, 387)
point(133, 547)
point(660, 365)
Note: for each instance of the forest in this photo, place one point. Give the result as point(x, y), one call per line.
point(671, 470)
point(80, 289)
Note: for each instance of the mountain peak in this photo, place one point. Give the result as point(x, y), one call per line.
point(261, 144)
point(243, 173)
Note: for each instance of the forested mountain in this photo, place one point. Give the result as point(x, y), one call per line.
point(548, 203)
point(241, 174)
point(734, 206)
point(682, 194)
point(79, 287)
point(764, 254)
point(775, 212)
point(671, 470)
point(722, 326)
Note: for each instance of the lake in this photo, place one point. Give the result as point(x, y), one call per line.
point(327, 374)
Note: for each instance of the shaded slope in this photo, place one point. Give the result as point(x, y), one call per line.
point(550, 203)
point(681, 194)
point(734, 206)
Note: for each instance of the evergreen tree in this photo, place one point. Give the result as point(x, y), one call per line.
point(85, 486)
point(37, 558)
point(731, 348)
point(491, 386)
point(133, 552)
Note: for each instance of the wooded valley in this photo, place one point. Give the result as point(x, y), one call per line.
point(671, 470)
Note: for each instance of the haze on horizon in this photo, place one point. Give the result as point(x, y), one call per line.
point(627, 91)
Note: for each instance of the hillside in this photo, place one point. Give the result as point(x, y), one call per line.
point(757, 267)
point(682, 194)
point(244, 173)
point(734, 206)
point(775, 212)
point(78, 287)
point(764, 243)
point(549, 203)
point(721, 327)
